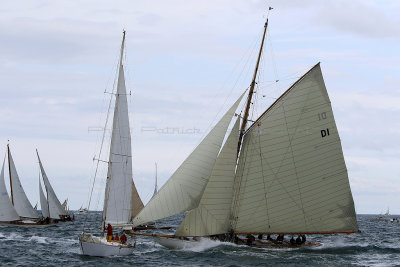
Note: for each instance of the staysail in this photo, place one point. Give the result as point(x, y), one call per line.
point(44, 206)
point(137, 204)
point(55, 207)
point(212, 215)
point(291, 175)
point(184, 188)
point(7, 211)
point(19, 199)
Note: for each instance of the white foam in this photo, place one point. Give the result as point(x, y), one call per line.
point(38, 239)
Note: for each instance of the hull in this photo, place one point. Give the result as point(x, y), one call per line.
point(99, 247)
point(176, 243)
point(27, 224)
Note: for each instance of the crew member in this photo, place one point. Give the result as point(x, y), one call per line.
point(123, 238)
point(116, 238)
point(109, 232)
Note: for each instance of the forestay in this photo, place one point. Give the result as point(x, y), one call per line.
point(183, 190)
point(21, 202)
point(212, 215)
point(43, 203)
point(55, 208)
point(118, 195)
point(7, 211)
point(291, 176)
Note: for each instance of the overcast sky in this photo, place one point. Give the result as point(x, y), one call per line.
point(186, 61)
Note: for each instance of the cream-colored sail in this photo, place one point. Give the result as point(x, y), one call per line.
point(183, 190)
point(291, 176)
point(44, 206)
point(211, 217)
point(7, 211)
point(20, 201)
point(55, 208)
point(137, 204)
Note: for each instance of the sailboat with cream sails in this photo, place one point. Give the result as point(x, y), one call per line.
point(16, 210)
point(121, 200)
point(282, 174)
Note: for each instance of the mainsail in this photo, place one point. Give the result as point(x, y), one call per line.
point(43, 203)
point(19, 199)
point(184, 188)
point(291, 175)
point(7, 210)
point(55, 208)
point(120, 190)
point(212, 215)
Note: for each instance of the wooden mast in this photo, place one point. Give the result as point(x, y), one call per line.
point(9, 171)
point(251, 91)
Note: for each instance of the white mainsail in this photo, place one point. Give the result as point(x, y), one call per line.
point(291, 175)
point(120, 189)
point(184, 188)
point(212, 215)
point(55, 208)
point(19, 199)
point(7, 210)
point(44, 206)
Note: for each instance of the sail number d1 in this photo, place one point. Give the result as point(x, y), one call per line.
point(324, 132)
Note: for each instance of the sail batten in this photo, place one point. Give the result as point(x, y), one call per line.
point(291, 175)
point(182, 192)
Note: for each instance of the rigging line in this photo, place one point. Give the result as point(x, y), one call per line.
point(100, 152)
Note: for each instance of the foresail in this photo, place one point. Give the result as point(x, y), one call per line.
point(212, 215)
point(55, 208)
point(21, 202)
point(43, 203)
point(184, 188)
point(7, 211)
point(137, 204)
point(291, 176)
point(117, 204)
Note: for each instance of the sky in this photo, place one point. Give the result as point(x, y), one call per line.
point(186, 62)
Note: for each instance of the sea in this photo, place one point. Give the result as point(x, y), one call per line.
point(378, 244)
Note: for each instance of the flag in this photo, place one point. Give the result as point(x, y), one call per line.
point(270, 8)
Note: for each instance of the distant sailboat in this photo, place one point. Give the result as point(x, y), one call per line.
point(121, 201)
point(82, 210)
point(18, 211)
point(55, 209)
point(285, 174)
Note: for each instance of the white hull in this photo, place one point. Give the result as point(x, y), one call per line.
point(175, 243)
point(99, 247)
point(26, 224)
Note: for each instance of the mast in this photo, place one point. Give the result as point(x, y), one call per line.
point(114, 122)
point(251, 91)
point(9, 171)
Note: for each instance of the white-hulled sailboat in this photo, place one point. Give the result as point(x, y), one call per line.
point(284, 174)
point(121, 200)
point(18, 211)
